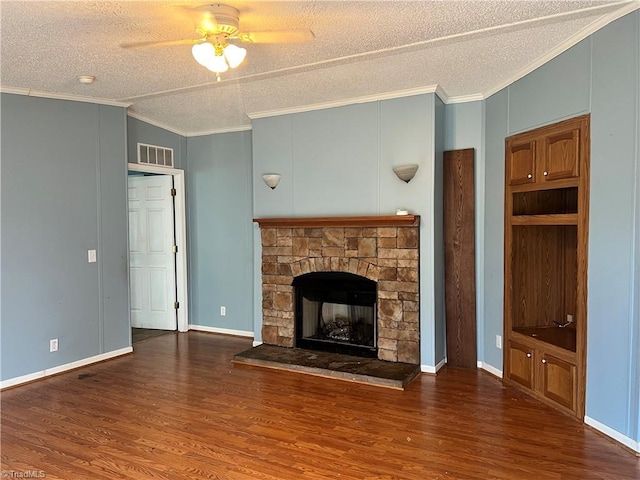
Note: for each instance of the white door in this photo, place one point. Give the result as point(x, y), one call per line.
point(151, 257)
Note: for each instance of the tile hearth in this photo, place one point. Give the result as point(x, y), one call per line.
point(343, 367)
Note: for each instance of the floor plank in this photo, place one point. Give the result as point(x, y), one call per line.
point(179, 409)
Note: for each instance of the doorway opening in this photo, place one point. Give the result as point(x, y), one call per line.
point(157, 251)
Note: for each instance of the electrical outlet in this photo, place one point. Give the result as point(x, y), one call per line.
point(53, 345)
point(499, 342)
point(91, 256)
point(569, 318)
point(223, 311)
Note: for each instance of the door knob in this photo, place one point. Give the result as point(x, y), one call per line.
point(546, 173)
point(528, 355)
point(529, 176)
point(544, 360)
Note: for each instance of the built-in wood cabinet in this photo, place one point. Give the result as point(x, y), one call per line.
point(539, 160)
point(520, 364)
point(545, 372)
point(546, 228)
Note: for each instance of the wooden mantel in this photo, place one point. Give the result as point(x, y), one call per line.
point(318, 222)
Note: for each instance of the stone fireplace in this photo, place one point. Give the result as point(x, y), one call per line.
point(383, 249)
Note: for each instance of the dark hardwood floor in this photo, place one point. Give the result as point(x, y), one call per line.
point(178, 409)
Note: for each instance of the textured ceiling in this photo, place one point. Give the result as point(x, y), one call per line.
point(468, 49)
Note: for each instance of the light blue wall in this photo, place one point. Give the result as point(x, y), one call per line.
point(553, 91)
point(496, 128)
point(272, 153)
point(407, 135)
point(339, 161)
point(220, 230)
point(142, 132)
point(599, 75)
point(63, 193)
point(322, 156)
point(113, 253)
point(635, 359)
point(612, 378)
point(438, 232)
point(464, 128)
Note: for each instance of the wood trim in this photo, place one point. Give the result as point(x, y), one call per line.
point(555, 184)
point(583, 257)
point(551, 219)
point(319, 222)
point(460, 267)
point(49, 372)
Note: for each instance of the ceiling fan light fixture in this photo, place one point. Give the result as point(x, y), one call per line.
point(218, 24)
point(203, 53)
point(234, 55)
point(217, 64)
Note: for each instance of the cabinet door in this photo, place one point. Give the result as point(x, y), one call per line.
point(521, 364)
point(559, 381)
point(521, 162)
point(562, 154)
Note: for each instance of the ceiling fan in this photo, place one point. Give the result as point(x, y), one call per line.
point(216, 25)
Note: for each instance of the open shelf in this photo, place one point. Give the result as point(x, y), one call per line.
point(546, 202)
point(560, 337)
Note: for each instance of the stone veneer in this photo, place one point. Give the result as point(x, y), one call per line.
point(388, 255)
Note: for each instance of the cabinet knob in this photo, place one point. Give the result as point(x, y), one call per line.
point(529, 176)
point(528, 355)
point(546, 173)
point(544, 360)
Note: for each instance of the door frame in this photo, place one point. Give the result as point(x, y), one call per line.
point(180, 226)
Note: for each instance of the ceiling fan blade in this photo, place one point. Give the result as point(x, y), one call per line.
point(163, 43)
point(278, 36)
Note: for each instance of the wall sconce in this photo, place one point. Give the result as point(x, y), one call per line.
point(271, 180)
point(406, 172)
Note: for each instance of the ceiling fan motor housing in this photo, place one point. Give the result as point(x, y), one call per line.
point(224, 19)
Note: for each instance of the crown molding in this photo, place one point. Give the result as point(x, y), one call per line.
point(440, 92)
point(239, 128)
point(62, 96)
point(344, 102)
point(155, 123)
point(566, 45)
point(14, 90)
point(474, 97)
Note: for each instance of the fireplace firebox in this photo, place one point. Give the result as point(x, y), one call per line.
point(336, 312)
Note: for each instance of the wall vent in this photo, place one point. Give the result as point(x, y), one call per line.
point(154, 155)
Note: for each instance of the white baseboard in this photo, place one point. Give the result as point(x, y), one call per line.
point(492, 370)
point(433, 370)
point(610, 432)
point(255, 344)
point(224, 331)
point(12, 382)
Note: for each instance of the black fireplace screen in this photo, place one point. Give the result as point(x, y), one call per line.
point(336, 312)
